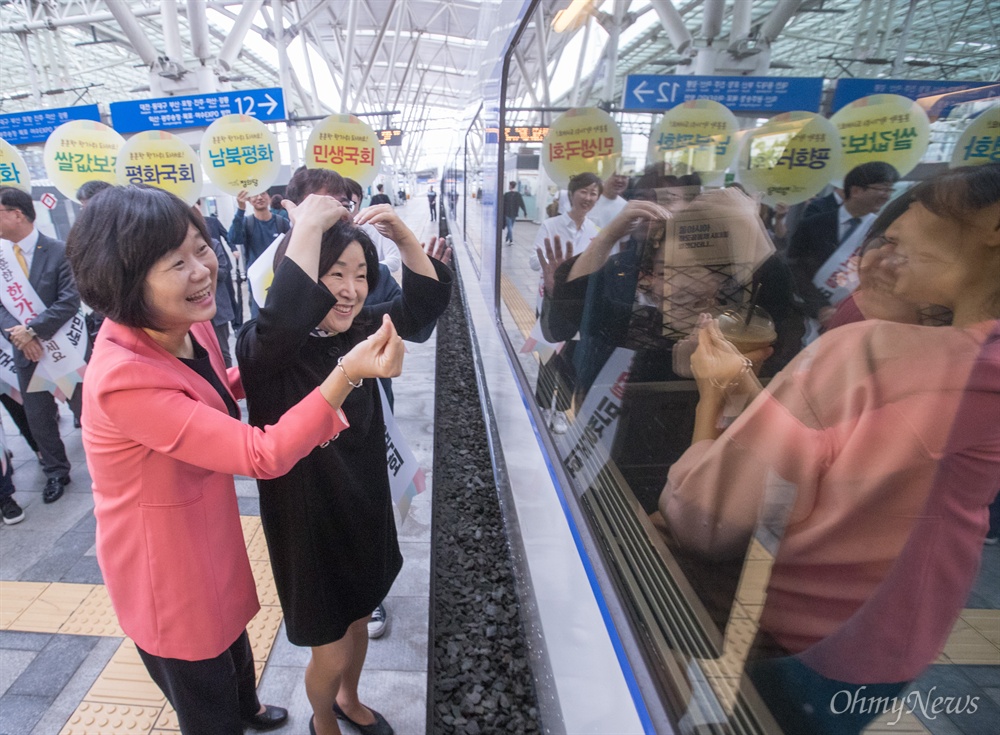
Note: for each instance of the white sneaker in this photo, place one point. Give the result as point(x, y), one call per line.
point(558, 423)
point(377, 623)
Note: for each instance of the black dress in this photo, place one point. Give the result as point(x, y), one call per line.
point(329, 523)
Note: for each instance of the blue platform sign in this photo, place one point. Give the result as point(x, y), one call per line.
point(849, 90)
point(196, 110)
point(35, 126)
point(740, 94)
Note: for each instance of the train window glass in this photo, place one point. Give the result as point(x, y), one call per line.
point(750, 516)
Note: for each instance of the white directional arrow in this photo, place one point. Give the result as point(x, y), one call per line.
point(270, 104)
point(640, 90)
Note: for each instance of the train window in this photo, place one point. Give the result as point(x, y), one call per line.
point(667, 335)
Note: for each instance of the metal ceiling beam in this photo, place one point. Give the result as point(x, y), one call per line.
point(234, 39)
point(374, 52)
point(352, 26)
point(778, 19)
point(198, 28)
point(171, 30)
point(543, 59)
point(73, 20)
point(130, 26)
point(673, 24)
point(392, 53)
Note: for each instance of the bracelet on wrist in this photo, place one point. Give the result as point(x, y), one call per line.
point(340, 364)
point(747, 367)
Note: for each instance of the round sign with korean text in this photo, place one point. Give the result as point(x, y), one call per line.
point(79, 151)
point(695, 136)
point(581, 140)
point(980, 141)
point(13, 170)
point(161, 159)
point(790, 158)
point(239, 152)
point(345, 144)
point(882, 127)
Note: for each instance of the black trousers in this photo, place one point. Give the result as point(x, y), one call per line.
point(16, 411)
point(43, 418)
point(213, 696)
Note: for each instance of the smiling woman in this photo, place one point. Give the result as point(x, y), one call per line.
point(169, 540)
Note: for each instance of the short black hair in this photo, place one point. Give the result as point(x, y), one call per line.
point(117, 239)
point(870, 174)
point(379, 187)
point(17, 199)
point(92, 188)
point(582, 181)
point(306, 181)
point(334, 242)
point(354, 189)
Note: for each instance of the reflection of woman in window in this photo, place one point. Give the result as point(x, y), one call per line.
point(887, 436)
point(633, 301)
point(575, 231)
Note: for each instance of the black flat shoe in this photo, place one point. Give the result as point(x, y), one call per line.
point(379, 727)
point(54, 488)
point(269, 719)
point(312, 727)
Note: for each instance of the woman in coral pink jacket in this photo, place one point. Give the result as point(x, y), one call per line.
point(163, 441)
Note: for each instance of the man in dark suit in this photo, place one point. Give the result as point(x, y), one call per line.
point(44, 260)
point(867, 188)
point(381, 197)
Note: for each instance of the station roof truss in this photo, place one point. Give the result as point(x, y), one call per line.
point(419, 59)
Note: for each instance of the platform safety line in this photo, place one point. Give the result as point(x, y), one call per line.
point(123, 700)
point(524, 315)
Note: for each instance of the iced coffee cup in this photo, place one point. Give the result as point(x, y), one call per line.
point(748, 335)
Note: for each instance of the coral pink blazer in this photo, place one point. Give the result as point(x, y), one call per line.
point(162, 452)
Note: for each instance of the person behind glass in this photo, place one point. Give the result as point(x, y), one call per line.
point(163, 440)
point(820, 238)
point(256, 232)
point(887, 434)
point(329, 521)
point(512, 202)
point(42, 261)
point(432, 202)
point(574, 230)
point(276, 208)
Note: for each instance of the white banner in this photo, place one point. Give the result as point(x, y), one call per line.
point(406, 476)
point(586, 447)
point(8, 376)
point(61, 366)
point(260, 273)
point(838, 276)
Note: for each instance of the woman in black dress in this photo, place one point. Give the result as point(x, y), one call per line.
point(329, 522)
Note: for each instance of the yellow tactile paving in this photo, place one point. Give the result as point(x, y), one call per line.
point(125, 681)
point(908, 724)
point(520, 310)
point(110, 719)
point(94, 616)
point(15, 598)
point(48, 612)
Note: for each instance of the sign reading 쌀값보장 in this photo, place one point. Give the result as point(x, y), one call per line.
point(696, 136)
point(980, 141)
point(239, 152)
point(13, 170)
point(345, 144)
point(80, 151)
point(882, 127)
point(581, 140)
point(790, 158)
point(161, 159)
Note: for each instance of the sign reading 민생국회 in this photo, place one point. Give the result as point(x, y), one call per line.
point(739, 94)
point(196, 110)
point(346, 145)
point(35, 126)
point(581, 140)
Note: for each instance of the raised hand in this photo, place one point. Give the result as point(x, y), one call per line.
point(439, 249)
point(384, 218)
point(241, 198)
point(551, 259)
point(716, 363)
point(379, 356)
point(316, 210)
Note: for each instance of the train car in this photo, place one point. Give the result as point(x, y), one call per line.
point(637, 624)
